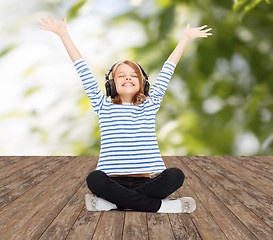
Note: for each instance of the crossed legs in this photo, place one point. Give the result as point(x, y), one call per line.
point(146, 197)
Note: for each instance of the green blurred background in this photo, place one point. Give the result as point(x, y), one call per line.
point(218, 102)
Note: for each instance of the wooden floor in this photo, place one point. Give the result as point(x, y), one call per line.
point(43, 198)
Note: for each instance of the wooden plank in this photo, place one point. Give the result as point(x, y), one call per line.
point(259, 167)
point(19, 203)
point(65, 220)
point(235, 186)
point(201, 217)
point(17, 213)
point(253, 223)
point(62, 224)
point(12, 176)
point(257, 161)
point(47, 206)
point(8, 160)
point(182, 225)
point(21, 181)
point(229, 224)
point(85, 225)
point(245, 186)
point(21, 163)
point(267, 159)
point(110, 225)
point(135, 226)
point(159, 226)
point(260, 182)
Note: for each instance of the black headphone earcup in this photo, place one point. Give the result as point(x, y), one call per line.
point(107, 88)
point(146, 87)
point(111, 88)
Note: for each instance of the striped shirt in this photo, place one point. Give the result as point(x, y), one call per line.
point(128, 138)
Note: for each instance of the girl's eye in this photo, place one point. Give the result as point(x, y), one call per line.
point(120, 76)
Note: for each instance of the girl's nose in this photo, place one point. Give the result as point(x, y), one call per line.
point(127, 78)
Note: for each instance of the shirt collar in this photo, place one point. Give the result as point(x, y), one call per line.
point(127, 103)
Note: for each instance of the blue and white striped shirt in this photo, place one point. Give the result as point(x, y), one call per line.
point(128, 138)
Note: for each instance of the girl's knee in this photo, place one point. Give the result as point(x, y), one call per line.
point(93, 178)
point(178, 176)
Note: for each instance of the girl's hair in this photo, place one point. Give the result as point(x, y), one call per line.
point(139, 97)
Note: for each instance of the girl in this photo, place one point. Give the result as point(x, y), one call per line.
point(129, 155)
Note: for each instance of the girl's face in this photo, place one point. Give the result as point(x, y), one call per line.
point(127, 82)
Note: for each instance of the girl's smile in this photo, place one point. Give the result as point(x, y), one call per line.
point(126, 84)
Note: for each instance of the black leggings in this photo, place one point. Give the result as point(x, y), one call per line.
point(136, 193)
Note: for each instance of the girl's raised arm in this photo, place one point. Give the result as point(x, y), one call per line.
point(160, 85)
point(190, 33)
point(60, 29)
point(91, 86)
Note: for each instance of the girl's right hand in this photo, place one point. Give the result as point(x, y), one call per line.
point(57, 27)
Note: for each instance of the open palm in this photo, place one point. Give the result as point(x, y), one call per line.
point(192, 33)
point(53, 26)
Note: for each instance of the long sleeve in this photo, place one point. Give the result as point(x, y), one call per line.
point(160, 85)
point(91, 86)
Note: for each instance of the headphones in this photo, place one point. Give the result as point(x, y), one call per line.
point(110, 86)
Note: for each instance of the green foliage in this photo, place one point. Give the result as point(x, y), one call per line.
point(73, 11)
point(166, 21)
point(164, 3)
point(244, 6)
point(31, 91)
point(84, 103)
point(7, 50)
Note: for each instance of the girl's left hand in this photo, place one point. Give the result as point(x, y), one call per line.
point(192, 33)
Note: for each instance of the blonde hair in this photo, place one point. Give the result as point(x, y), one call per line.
point(139, 98)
